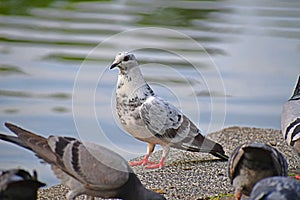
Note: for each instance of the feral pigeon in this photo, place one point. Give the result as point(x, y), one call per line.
point(276, 188)
point(18, 184)
point(86, 168)
point(290, 119)
point(250, 163)
point(152, 119)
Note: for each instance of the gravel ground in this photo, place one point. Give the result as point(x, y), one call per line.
point(196, 176)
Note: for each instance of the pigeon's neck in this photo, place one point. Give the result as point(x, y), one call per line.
point(134, 189)
point(132, 84)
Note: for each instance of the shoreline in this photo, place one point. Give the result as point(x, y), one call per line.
point(197, 176)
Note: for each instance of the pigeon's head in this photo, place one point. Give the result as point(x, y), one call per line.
point(125, 61)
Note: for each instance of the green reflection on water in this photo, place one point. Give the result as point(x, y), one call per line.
point(43, 41)
point(22, 7)
point(59, 96)
point(17, 7)
point(175, 16)
point(10, 69)
point(11, 110)
point(10, 93)
point(60, 109)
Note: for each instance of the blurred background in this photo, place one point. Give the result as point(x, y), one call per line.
point(54, 76)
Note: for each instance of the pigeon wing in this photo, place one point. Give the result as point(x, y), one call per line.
point(276, 187)
point(290, 117)
point(290, 121)
point(95, 166)
point(164, 120)
point(31, 141)
point(234, 161)
point(280, 162)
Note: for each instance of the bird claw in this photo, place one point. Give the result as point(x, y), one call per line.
point(158, 165)
point(147, 163)
point(142, 162)
point(297, 176)
point(155, 166)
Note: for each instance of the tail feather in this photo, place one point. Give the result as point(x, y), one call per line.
point(15, 140)
point(222, 156)
point(205, 145)
point(31, 141)
point(296, 94)
point(214, 148)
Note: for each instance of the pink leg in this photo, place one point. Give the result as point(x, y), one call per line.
point(297, 176)
point(166, 150)
point(144, 161)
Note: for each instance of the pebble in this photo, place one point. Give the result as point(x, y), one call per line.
point(197, 176)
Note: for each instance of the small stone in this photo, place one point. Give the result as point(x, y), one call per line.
point(196, 176)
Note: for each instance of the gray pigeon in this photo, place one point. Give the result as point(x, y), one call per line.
point(18, 184)
point(276, 188)
point(250, 163)
point(290, 119)
point(151, 119)
point(84, 167)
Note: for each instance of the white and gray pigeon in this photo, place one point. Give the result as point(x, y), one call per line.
point(290, 119)
point(84, 167)
point(152, 119)
point(276, 188)
point(249, 163)
point(18, 184)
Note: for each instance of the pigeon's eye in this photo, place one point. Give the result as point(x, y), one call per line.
point(126, 58)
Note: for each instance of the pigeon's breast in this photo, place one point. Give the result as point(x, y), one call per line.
point(128, 111)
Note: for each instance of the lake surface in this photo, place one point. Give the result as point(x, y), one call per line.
point(224, 63)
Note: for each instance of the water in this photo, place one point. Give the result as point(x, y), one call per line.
point(54, 59)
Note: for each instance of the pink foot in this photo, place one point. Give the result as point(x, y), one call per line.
point(297, 176)
point(155, 166)
point(142, 162)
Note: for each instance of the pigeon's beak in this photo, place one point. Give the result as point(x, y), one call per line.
point(114, 65)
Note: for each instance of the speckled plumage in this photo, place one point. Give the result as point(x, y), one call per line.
point(152, 119)
point(86, 168)
point(276, 188)
point(18, 184)
point(252, 162)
